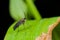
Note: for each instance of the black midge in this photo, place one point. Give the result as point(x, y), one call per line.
point(19, 23)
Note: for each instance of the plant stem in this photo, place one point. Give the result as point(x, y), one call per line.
point(33, 9)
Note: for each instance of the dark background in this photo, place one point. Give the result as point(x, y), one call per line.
point(46, 8)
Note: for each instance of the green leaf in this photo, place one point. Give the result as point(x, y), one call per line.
point(32, 29)
point(18, 9)
point(23, 9)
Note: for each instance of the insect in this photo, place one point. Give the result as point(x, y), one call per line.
point(19, 23)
